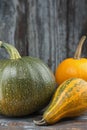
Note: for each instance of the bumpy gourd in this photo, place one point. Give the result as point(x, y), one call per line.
point(26, 84)
point(72, 67)
point(69, 100)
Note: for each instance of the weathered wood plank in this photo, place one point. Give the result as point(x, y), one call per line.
point(7, 22)
point(26, 123)
point(48, 29)
point(77, 22)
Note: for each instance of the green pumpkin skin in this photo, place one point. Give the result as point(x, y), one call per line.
point(26, 85)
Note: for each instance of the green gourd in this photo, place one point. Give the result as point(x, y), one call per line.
point(26, 83)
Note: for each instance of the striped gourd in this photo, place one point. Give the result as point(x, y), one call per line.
point(69, 100)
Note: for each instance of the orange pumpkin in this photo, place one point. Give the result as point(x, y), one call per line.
point(73, 67)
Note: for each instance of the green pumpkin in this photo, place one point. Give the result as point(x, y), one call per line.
point(26, 84)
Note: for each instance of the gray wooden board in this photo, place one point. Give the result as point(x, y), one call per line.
point(26, 123)
point(47, 29)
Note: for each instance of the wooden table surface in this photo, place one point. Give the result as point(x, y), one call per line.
point(26, 123)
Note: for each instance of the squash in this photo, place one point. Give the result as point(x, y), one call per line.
point(72, 67)
point(26, 83)
point(69, 100)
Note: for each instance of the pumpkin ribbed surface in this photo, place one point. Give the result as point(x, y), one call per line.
point(70, 68)
point(26, 84)
point(74, 67)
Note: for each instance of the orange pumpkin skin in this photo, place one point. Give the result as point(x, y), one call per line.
point(70, 68)
point(75, 67)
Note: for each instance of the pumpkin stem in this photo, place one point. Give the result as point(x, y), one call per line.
point(79, 48)
point(41, 122)
point(14, 54)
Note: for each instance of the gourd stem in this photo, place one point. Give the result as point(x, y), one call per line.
point(41, 122)
point(14, 54)
point(79, 48)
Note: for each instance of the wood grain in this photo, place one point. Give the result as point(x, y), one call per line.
point(26, 123)
point(48, 29)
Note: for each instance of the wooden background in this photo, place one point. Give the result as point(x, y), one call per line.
point(48, 29)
